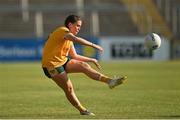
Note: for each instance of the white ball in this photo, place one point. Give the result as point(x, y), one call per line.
point(152, 41)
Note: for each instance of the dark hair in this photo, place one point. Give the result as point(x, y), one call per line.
point(71, 19)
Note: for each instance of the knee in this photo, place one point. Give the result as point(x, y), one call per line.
point(70, 89)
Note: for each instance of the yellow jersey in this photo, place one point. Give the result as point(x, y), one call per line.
point(56, 48)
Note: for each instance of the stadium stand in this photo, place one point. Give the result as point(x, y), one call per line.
point(114, 17)
point(167, 9)
point(159, 25)
point(111, 20)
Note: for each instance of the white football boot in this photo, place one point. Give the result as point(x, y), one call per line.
point(87, 113)
point(116, 81)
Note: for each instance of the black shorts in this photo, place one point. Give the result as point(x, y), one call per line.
point(51, 71)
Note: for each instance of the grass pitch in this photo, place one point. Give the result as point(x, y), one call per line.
point(151, 91)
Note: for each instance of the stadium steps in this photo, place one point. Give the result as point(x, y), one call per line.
point(13, 23)
point(114, 22)
point(159, 25)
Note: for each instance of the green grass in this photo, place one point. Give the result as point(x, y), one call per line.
point(152, 91)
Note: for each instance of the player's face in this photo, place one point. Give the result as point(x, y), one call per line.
point(74, 28)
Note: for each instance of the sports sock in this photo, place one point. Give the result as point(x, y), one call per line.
point(81, 108)
point(104, 78)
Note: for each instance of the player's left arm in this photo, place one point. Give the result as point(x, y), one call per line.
point(76, 56)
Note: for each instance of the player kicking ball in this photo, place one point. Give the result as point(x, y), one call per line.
point(56, 61)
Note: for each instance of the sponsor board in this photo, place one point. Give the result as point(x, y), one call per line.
point(132, 48)
point(31, 49)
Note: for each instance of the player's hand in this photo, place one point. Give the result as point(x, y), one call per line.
point(98, 47)
point(96, 63)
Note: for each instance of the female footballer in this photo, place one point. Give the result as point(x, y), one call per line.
point(60, 58)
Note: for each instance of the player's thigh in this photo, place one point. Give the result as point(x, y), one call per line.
point(75, 66)
point(63, 81)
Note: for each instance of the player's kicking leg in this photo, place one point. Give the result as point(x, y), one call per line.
point(75, 66)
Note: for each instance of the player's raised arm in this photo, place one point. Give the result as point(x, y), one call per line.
point(80, 40)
